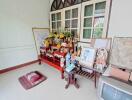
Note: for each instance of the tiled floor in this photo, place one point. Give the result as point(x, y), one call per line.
point(51, 89)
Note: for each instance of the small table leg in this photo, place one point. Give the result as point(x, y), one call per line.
point(62, 75)
point(75, 84)
point(68, 82)
point(39, 61)
point(95, 79)
point(72, 80)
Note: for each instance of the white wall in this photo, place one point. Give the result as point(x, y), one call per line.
point(17, 17)
point(121, 19)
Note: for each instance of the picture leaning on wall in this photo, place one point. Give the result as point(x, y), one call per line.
point(39, 36)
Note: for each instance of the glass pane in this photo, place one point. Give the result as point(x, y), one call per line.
point(86, 33)
point(87, 22)
point(100, 8)
point(98, 21)
point(59, 16)
point(74, 23)
point(53, 17)
point(67, 24)
point(88, 10)
point(74, 32)
point(58, 24)
point(75, 13)
point(97, 33)
point(53, 25)
point(67, 14)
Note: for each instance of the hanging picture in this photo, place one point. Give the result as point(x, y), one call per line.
point(39, 36)
point(88, 57)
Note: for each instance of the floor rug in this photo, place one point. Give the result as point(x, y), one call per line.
point(31, 79)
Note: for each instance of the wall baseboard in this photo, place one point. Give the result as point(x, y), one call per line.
point(17, 66)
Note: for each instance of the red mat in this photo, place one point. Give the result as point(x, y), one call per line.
point(31, 79)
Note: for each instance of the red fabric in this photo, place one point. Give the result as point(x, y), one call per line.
point(31, 79)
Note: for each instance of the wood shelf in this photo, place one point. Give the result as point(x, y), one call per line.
point(51, 63)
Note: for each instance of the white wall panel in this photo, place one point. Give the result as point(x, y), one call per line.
point(17, 17)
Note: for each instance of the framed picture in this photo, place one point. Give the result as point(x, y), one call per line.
point(39, 35)
point(87, 57)
point(121, 53)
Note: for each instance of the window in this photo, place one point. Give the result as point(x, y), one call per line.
point(56, 21)
point(84, 18)
point(72, 20)
point(94, 18)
